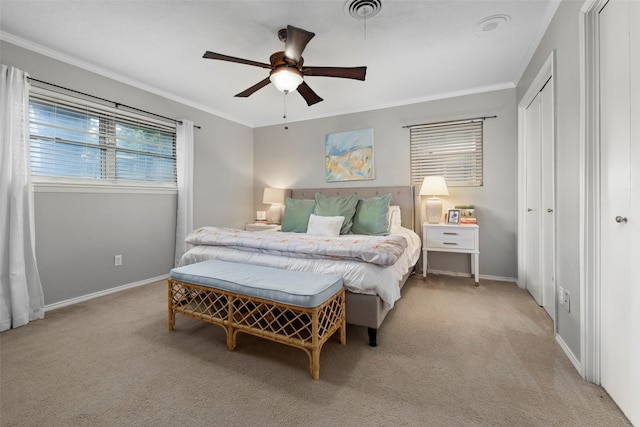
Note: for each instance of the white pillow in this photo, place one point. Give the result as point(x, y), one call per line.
point(395, 219)
point(325, 225)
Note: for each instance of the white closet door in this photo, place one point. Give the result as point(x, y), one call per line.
point(533, 219)
point(547, 198)
point(620, 194)
point(540, 196)
point(632, 408)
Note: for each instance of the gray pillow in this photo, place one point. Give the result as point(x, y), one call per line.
point(296, 215)
point(337, 206)
point(372, 216)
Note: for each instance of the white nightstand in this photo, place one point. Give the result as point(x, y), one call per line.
point(452, 238)
point(262, 227)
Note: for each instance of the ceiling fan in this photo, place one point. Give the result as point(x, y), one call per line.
point(287, 72)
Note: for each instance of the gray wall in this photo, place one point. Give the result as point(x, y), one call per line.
point(563, 36)
point(78, 233)
point(294, 158)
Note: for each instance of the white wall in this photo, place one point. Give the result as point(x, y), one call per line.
point(562, 36)
point(78, 233)
point(295, 158)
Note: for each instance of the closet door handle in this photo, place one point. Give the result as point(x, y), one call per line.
point(549, 210)
point(621, 219)
point(529, 209)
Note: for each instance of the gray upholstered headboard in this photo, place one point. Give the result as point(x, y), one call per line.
point(403, 196)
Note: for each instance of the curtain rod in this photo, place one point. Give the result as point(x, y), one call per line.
point(451, 121)
point(116, 104)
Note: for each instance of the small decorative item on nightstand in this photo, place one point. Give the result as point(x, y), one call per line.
point(453, 217)
point(467, 214)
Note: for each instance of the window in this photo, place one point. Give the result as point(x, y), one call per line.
point(77, 139)
point(452, 150)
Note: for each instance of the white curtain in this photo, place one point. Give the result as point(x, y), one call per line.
point(21, 297)
point(184, 171)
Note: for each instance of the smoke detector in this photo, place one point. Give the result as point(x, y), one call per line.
point(491, 24)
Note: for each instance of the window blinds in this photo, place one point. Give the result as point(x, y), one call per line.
point(79, 139)
point(453, 150)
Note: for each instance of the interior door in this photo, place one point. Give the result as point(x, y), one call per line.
point(540, 198)
point(533, 219)
point(547, 199)
point(619, 50)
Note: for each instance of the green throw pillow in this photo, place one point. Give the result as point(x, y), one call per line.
point(372, 216)
point(337, 206)
point(296, 215)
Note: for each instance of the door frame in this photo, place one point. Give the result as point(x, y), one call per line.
point(546, 72)
point(590, 197)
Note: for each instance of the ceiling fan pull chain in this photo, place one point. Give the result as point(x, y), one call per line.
point(285, 110)
point(285, 105)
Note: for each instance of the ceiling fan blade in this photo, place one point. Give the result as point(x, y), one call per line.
point(254, 88)
point(308, 94)
point(297, 40)
point(357, 73)
point(219, 56)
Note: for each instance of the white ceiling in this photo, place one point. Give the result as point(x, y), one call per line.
point(414, 50)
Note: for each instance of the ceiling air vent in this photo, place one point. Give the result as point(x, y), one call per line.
point(363, 9)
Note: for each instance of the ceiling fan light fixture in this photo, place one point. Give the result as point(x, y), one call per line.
point(286, 79)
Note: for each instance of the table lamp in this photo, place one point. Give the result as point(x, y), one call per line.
point(275, 198)
point(434, 186)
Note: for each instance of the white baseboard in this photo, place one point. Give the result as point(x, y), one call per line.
point(482, 276)
point(82, 298)
point(574, 360)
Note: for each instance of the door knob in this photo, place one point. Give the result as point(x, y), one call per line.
point(620, 219)
point(529, 209)
point(549, 210)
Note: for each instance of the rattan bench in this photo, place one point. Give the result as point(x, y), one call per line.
point(299, 309)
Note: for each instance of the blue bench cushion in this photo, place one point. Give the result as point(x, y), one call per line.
point(297, 288)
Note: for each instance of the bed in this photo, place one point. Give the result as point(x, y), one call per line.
point(372, 279)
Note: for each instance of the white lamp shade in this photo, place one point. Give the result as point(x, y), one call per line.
point(273, 196)
point(434, 186)
point(286, 79)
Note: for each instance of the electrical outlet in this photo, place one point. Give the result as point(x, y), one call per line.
point(560, 296)
point(566, 300)
point(117, 260)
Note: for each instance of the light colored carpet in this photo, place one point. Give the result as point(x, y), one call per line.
point(449, 354)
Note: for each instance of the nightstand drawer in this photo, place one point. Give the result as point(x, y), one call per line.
point(451, 238)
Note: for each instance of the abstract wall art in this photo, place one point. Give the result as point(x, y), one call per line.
point(349, 155)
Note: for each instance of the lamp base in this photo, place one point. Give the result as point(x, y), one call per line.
point(274, 214)
point(433, 210)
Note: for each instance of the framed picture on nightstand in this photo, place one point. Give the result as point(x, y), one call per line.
point(453, 217)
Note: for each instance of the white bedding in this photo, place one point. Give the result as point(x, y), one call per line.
point(359, 277)
point(381, 250)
